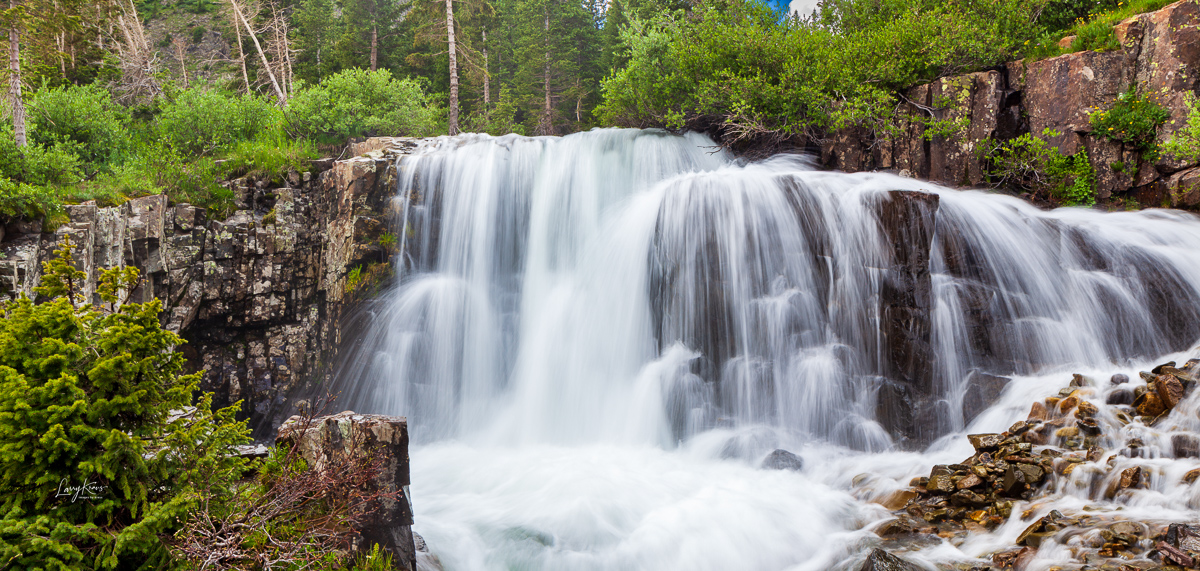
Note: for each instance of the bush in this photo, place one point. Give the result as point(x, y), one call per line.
point(1185, 144)
point(1029, 163)
point(204, 122)
point(1133, 120)
point(270, 155)
point(37, 164)
point(161, 170)
point(20, 200)
point(86, 119)
point(100, 450)
point(730, 62)
point(358, 103)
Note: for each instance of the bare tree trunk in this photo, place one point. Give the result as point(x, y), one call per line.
point(374, 46)
point(453, 50)
point(487, 77)
point(266, 64)
point(14, 80)
point(178, 43)
point(546, 125)
point(237, 29)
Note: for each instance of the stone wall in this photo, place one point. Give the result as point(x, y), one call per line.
point(1160, 54)
point(259, 296)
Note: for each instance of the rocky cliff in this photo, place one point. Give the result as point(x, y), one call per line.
point(259, 296)
point(1160, 55)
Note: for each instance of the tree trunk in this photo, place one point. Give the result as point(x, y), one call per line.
point(453, 51)
point(14, 80)
point(487, 78)
point(261, 54)
point(237, 29)
point(374, 46)
point(546, 124)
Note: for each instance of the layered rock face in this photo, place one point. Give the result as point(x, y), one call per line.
point(258, 296)
point(1160, 55)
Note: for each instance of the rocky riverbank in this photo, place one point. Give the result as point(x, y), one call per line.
point(1064, 477)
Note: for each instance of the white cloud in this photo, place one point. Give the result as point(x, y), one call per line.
point(803, 7)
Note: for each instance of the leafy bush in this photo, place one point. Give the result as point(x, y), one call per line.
point(20, 200)
point(203, 121)
point(100, 449)
point(1029, 163)
point(198, 34)
point(357, 103)
point(86, 118)
point(37, 164)
point(161, 170)
point(730, 62)
point(1092, 31)
point(1133, 120)
point(270, 155)
point(1186, 142)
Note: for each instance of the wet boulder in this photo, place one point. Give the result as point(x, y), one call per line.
point(880, 560)
point(780, 459)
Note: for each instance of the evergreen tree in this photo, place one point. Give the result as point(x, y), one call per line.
point(100, 452)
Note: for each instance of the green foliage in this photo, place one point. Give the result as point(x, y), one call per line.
point(1185, 144)
point(84, 119)
point(99, 449)
point(198, 34)
point(732, 62)
point(20, 200)
point(204, 121)
point(376, 560)
point(354, 279)
point(1030, 163)
point(387, 240)
point(356, 103)
point(270, 155)
point(1133, 120)
point(37, 164)
point(1092, 25)
point(162, 170)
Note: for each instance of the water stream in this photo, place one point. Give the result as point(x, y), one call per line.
point(598, 338)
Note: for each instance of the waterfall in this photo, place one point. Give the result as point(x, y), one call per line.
point(626, 286)
point(598, 338)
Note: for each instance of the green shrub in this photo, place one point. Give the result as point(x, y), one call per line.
point(202, 121)
point(270, 155)
point(198, 34)
point(37, 164)
point(1095, 36)
point(95, 470)
point(357, 103)
point(1029, 163)
point(84, 117)
point(1133, 120)
point(1185, 144)
point(161, 170)
point(1092, 27)
point(19, 200)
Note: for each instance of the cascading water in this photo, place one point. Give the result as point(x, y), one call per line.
point(595, 337)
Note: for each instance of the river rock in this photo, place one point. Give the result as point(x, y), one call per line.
point(780, 459)
point(325, 439)
point(1185, 446)
point(880, 560)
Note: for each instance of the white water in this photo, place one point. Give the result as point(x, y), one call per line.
point(597, 338)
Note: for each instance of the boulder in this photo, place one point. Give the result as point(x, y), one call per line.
point(880, 560)
point(780, 459)
point(323, 440)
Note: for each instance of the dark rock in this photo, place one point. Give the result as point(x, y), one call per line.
point(984, 442)
point(1120, 396)
point(780, 459)
point(880, 560)
point(982, 391)
point(1185, 446)
point(1119, 379)
point(388, 521)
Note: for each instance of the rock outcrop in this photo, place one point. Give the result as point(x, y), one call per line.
point(326, 441)
point(259, 295)
point(1160, 56)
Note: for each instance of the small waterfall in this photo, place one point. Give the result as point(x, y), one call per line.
point(636, 287)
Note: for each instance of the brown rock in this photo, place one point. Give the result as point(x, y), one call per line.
point(983, 442)
point(1149, 404)
point(970, 481)
point(897, 499)
point(1130, 478)
point(1169, 389)
point(1038, 412)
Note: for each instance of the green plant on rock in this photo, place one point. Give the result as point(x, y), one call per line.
point(354, 279)
point(100, 446)
point(1030, 163)
point(1185, 144)
point(387, 240)
point(1133, 120)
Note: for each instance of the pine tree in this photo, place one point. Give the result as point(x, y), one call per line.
point(100, 453)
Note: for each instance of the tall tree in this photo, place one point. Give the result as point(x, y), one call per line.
point(314, 22)
point(16, 17)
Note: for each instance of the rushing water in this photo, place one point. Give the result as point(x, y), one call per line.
point(597, 338)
